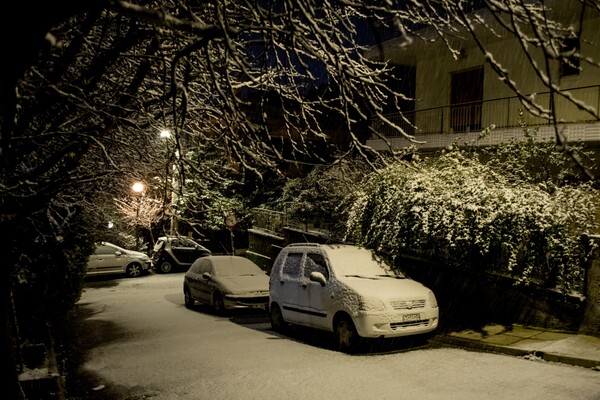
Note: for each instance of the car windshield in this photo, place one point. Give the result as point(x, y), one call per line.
point(228, 266)
point(184, 242)
point(360, 263)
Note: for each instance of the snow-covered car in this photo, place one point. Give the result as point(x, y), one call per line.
point(108, 258)
point(347, 290)
point(226, 283)
point(173, 253)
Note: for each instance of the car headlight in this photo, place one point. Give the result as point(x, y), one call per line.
point(432, 300)
point(370, 304)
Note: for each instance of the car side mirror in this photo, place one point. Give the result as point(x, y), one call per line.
point(118, 253)
point(206, 275)
point(318, 277)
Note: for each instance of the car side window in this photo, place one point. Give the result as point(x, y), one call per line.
point(292, 265)
point(195, 268)
point(199, 266)
point(187, 243)
point(103, 250)
point(208, 267)
point(315, 263)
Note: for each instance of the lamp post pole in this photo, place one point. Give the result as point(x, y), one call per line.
point(138, 189)
point(166, 134)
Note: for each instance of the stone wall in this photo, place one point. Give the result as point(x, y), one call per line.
point(472, 300)
point(263, 247)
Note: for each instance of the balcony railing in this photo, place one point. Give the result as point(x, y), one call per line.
point(500, 113)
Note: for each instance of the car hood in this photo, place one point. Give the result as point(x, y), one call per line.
point(244, 284)
point(138, 254)
point(386, 288)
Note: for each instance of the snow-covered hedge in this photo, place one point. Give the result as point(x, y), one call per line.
point(459, 212)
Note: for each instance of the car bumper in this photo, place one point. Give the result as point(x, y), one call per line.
point(234, 301)
point(396, 324)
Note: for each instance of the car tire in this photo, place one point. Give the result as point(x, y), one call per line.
point(165, 267)
point(218, 304)
point(346, 336)
point(133, 270)
point(278, 324)
point(187, 297)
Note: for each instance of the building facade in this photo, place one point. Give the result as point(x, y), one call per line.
point(458, 91)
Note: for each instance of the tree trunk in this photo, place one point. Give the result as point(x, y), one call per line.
point(12, 388)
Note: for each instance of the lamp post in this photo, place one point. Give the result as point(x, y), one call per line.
point(138, 188)
point(166, 134)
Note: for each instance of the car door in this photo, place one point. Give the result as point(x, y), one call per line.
point(92, 263)
point(290, 284)
point(313, 295)
point(199, 286)
point(108, 259)
point(184, 251)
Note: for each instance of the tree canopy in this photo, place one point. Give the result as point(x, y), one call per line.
point(257, 84)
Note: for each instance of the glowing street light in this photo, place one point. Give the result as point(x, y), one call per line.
point(138, 187)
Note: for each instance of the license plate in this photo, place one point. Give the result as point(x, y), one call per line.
point(411, 317)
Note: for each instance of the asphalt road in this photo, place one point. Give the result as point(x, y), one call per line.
point(134, 339)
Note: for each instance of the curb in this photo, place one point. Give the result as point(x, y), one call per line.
point(492, 348)
point(43, 381)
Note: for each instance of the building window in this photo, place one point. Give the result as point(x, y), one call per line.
point(569, 62)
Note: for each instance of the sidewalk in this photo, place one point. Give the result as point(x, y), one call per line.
point(529, 342)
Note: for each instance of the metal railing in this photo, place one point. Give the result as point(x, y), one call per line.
point(269, 220)
point(500, 113)
point(274, 221)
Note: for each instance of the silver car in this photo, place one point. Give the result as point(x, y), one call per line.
point(109, 258)
point(226, 283)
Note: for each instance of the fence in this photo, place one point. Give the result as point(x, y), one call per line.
point(501, 112)
point(275, 221)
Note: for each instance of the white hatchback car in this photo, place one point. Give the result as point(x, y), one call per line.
point(347, 290)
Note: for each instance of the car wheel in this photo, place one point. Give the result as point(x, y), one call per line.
point(277, 322)
point(218, 304)
point(346, 336)
point(189, 300)
point(133, 270)
point(165, 267)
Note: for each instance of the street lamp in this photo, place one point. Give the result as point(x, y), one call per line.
point(166, 134)
point(138, 188)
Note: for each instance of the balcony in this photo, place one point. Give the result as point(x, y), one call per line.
point(462, 124)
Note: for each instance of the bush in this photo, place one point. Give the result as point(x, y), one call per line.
point(320, 197)
point(49, 269)
point(459, 212)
